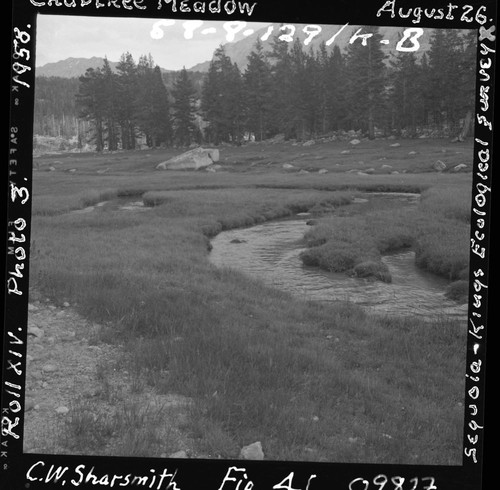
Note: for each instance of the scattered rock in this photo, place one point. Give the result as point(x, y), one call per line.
point(369, 170)
point(179, 454)
point(237, 240)
point(37, 332)
point(49, 368)
point(322, 171)
point(51, 169)
point(309, 143)
point(345, 152)
point(32, 307)
point(302, 172)
point(252, 451)
point(192, 159)
point(315, 418)
point(29, 405)
point(66, 304)
point(459, 167)
point(279, 138)
point(386, 166)
point(355, 142)
point(210, 169)
point(62, 410)
point(395, 145)
point(394, 172)
point(352, 440)
point(439, 166)
point(72, 170)
point(412, 153)
point(287, 165)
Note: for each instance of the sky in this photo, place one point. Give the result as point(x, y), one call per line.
point(60, 37)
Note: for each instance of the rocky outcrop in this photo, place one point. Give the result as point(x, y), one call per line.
point(191, 160)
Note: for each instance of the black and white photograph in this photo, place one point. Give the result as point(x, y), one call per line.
point(262, 242)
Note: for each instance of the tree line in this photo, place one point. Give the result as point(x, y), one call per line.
point(286, 90)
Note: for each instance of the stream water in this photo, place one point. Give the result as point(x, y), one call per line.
point(270, 252)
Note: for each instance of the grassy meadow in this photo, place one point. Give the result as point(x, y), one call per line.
point(311, 381)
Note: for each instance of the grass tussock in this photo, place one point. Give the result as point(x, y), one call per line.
point(94, 196)
point(458, 291)
point(437, 229)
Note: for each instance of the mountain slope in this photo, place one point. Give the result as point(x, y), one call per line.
point(239, 51)
point(71, 67)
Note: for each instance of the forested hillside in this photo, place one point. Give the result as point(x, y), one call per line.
point(290, 90)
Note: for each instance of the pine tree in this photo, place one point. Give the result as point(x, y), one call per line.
point(467, 82)
point(303, 92)
point(110, 105)
point(366, 74)
point(184, 94)
point(221, 101)
point(282, 98)
point(257, 93)
point(404, 93)
point(336, 89)
point(91, 101)
point(126, 91)
point(450, 79)
point(151, 105)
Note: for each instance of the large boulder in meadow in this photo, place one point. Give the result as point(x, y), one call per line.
point(192, 159)
point(439, 166)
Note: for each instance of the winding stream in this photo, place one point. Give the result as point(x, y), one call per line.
point(270, 252)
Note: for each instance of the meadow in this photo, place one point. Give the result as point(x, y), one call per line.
point(311, 381)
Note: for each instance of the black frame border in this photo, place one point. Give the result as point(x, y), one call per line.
point(20, 470)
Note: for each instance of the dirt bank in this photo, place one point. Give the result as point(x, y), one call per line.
point(78, 399)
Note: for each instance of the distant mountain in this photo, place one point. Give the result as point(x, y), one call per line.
point(71, 67)
point(239, 51)
point(75, 67)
